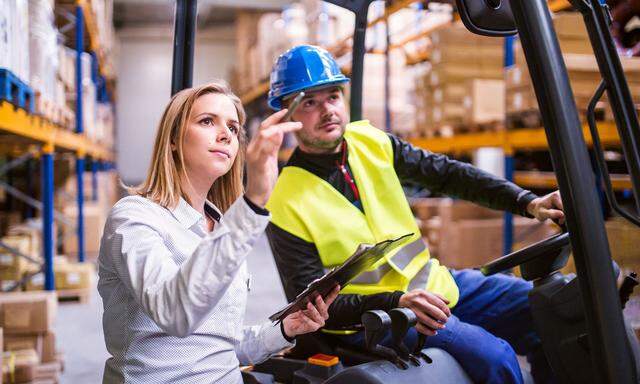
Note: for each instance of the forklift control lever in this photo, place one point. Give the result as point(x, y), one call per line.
point(402, 320)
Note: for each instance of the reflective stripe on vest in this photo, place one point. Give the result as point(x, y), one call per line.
point(401, 259)
point(420, 280)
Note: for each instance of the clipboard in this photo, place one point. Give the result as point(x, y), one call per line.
point(365, 256)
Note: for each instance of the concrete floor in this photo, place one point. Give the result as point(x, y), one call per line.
point(79, 326)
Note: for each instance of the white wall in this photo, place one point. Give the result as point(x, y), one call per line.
point(144, 86)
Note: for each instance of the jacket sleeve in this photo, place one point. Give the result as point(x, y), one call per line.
point(258, 342)
point(442, 175)
point(299, 264)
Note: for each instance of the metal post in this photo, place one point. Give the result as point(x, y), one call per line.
point(357, 64)
point(80, 200)
point(387, 75)
point(507, 235)
point(183, 45)
point(611, 353)
point(94, 180)
point(47, 217)
point(79, 129)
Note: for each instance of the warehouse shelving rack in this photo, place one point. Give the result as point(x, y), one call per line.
point(36, 137)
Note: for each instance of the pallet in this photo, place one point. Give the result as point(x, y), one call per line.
point(80, 295)
point(58, 114)
point(533, 119)
point(453, 129)
point(16, 91)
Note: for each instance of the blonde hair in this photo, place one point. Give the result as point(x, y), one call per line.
point(167, 169)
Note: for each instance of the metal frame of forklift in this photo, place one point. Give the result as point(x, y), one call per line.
point(612, 357)
point(611, 352)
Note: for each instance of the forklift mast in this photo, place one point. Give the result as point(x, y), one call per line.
point(531, 19)
point(183, 45)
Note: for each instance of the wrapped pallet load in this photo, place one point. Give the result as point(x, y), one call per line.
point(43, 47)
point(14, 27)
point(584, 76)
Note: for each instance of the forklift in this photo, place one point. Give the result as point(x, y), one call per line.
point(579, 318)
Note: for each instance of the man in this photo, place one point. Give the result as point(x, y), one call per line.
point(342, 187)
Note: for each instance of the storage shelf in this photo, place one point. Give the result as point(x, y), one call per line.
point(547, 180)
point(18, 122)
point(519, 139)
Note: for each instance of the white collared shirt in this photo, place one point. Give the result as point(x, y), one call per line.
point(174, 295)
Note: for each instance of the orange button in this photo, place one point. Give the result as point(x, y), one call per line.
point(323, 360)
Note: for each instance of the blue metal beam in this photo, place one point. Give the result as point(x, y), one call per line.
point(80, 129)
point(47, 219)
point(80, 200)
point(507, 236)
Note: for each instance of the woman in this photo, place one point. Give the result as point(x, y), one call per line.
point(172, 269)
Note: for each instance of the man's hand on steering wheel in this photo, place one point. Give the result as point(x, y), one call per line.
point(547, 207)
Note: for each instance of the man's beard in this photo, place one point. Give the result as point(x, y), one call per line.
point(319, 143)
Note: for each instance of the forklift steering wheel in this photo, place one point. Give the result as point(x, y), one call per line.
point(552, 245)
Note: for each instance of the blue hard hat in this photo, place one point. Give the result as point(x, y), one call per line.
point(300, 68)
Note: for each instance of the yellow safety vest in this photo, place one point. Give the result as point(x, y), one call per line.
point(310, 208)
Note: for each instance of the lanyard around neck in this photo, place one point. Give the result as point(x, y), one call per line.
point(343, 168)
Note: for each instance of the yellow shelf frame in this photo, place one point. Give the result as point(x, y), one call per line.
point(547, 180)
point(18, 122)
point(518, 139)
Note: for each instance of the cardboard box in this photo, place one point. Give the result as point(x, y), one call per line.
point(27, 312)
point(43, 344)
point(48, 348)
point(484, 101)
point(472, 243)
point(11, 265)
point(19, 366)
point(20, 342)
point(94, 219)
point(74, 276)
point(48, 373)
point(67, 276)
point(463, 235)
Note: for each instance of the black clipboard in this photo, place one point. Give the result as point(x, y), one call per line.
point(365, 256)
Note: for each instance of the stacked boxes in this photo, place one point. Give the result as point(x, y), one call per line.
point(463, 82)
point(69, 276)
point(584, 75)
point(464, 235)
point(25, 241)
point(28, 340)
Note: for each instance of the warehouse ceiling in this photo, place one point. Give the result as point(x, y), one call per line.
point(132, 13)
